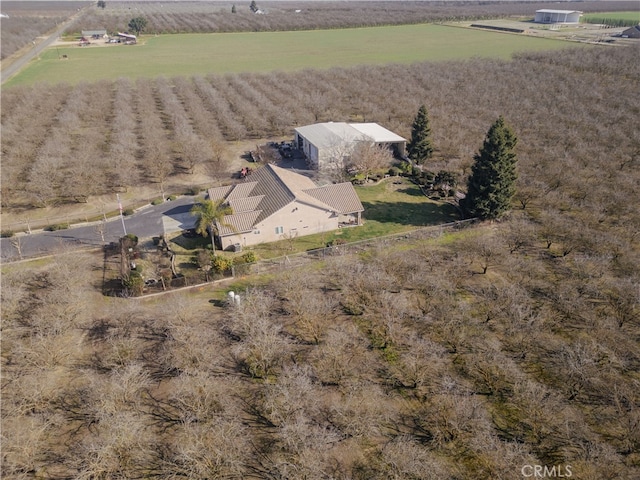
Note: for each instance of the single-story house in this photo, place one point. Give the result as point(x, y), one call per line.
point(325, 143)
point(557, 16)
point(274, 203)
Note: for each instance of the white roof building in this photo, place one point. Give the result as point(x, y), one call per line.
point(323, 142)
point(557, 16)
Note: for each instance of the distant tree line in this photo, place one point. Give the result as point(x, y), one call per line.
point(187, 17)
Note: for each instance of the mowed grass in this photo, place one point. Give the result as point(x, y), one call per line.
point(221, 53)
point(388, 209)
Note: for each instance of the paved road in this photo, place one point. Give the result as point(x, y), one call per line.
point(145, 223)
point(21, 62)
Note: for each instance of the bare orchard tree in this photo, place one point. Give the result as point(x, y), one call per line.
point(368, 158)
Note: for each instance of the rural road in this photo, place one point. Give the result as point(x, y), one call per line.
point(145, 223)
point(21, 62)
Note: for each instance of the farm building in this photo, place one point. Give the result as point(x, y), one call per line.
point(633, 32)
point(275, 203)
point(323, 143)
point(94, 34)
point(557, 16)
point(127, 37)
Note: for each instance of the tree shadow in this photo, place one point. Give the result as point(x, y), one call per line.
point(406, 213)
point(191, 241)
point(413, 191)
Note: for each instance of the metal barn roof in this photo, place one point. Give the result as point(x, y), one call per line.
point(334, 134)
point(563, 12)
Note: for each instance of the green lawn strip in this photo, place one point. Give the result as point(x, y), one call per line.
point(221, 53)
point(606, 17)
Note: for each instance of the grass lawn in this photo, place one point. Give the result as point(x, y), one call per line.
point(389, 209)
point(221, 53)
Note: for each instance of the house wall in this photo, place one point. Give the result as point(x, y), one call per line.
point(296, 217)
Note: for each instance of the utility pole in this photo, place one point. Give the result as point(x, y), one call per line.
point(121, 215)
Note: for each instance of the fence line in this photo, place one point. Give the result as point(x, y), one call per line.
point(294, 260)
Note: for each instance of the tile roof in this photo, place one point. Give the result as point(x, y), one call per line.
point(247, 204)
point(341, 197)
point(271, 188)
point(218, 193)
point(238, 223)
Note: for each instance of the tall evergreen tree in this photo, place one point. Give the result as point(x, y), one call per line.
point(492, 183)
point(420, 148)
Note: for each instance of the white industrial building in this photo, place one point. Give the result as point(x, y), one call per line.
point(558, 16)
point(325, 143)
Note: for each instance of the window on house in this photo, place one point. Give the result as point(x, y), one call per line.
point(279, 230)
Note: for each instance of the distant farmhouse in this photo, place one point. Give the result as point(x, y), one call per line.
point(95, 34)
point(324, 143)
point(633, 32)
point(275, 203)
point(558, 16)
point(127, 38)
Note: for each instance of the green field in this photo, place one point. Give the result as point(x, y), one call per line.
point(631, 18)
point(221, 53)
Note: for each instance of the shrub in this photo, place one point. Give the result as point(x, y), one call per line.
point(405, 168)
point(193, 191)
point(129, 241)
point(134, 283)
point(351, 307)
point(171, 198)
point(157, 201)
point(221, 264)
point(127, 211)
point(336, 241)
point(57, 226)
point(394, 171)
point(6, 234)
point(247, 257)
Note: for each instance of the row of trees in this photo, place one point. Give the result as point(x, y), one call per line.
point(189, 17)
point(175, 126)
point(25, 22)
point(393, 363)
point(28, 21)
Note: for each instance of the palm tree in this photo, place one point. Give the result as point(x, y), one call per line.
point(210, 214)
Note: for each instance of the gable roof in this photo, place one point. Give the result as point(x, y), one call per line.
point(271, 188)
point(333, 134)
point(562, 12)
point(339, 196)
point(377, 133)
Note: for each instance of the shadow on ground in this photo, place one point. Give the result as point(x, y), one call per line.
point(405, 213)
